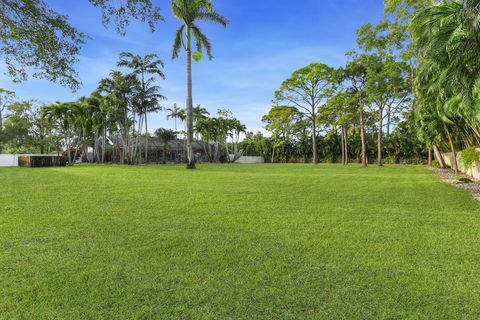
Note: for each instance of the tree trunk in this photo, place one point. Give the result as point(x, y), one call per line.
point(104, 138)
point(430, 157)
point(380, 138)
point(454, 152)
point(346, 145)
point(146, 139)
point(190, 155)
point(439, 157)
point(68, 149)
point(314, 141)
point(343, 145)
point(363, 138)
point(164, 152)
point(389, 119)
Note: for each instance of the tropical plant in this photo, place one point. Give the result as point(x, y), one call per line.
point(175, 113)
point(166, 136)
point(190, 12)
point(147, 97)
point(119, 90)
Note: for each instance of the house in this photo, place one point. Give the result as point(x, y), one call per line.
point(176, 149)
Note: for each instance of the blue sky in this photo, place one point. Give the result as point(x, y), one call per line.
point(265, 42)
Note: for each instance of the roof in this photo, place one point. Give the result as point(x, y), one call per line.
point(157, 143)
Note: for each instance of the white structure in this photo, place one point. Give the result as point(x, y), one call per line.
point(8, 160)
point(250, 160)
point(473, 172)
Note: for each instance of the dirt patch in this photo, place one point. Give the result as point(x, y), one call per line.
point(460, 181)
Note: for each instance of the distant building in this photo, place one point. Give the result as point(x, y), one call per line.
point(176, 149)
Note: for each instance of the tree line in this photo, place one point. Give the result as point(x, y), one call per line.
point(118, 109)
point(410, 88)
point(37, 37)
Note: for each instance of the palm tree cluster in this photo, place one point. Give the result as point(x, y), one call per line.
point(447, 83)
point(121, 105)
point(221, 134)
point(119, 108)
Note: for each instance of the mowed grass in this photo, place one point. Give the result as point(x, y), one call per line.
point(236, 242)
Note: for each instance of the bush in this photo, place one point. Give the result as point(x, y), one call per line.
point(436, 164)
point(470, 156)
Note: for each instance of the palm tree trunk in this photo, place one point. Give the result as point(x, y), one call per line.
point(146, 139)
point(454, 152)
point(104, 138)
point(164, 152)
point(439, 156)
point(190, 155)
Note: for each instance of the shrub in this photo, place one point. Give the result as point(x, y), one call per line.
point(436, 164)
point(470, 156)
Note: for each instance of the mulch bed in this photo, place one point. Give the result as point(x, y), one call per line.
point(449, 176)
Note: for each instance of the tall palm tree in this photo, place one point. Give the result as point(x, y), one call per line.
point(190, 12)
point(174, 113)
point(119, 89)
point(198, 113)
point(147, 96)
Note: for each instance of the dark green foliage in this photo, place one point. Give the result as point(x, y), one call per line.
point(470, 157)
point(465, 180)
point(33, 36)
point(122, 11)
point(166, 135)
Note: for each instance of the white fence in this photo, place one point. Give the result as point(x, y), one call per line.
point(473, 172)
point(247, 160)
point(8, 160)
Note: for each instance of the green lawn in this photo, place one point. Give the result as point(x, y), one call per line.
point(236, 242)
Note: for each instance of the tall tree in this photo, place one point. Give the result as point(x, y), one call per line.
point(190, 12)
point(119, 89)
point(6, 98)
point(147, 96)
point(61, 116)
point(355, 76)
point(307, 89)
point(175, 113)
point(339, 113)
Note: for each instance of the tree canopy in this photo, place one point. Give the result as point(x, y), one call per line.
point(37, 41)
